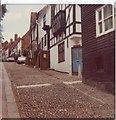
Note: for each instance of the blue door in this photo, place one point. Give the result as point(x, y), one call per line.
point(76, 59)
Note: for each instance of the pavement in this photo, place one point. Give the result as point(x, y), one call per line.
point(9, 107)
point(49, 94)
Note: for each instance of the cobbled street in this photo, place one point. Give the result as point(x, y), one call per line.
point(45, 94)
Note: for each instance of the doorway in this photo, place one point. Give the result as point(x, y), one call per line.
point(76, 60)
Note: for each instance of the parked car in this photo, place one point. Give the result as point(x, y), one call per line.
point(10, 59)
point(21, 59)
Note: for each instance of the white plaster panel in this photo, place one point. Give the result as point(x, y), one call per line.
point(78, 13)
point(78, 27)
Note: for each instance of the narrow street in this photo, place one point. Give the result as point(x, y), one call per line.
point(51, 94)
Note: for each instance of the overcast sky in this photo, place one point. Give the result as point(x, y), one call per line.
point(18, 16)
point(17, 19)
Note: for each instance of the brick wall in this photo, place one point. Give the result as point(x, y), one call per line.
point(26, 40)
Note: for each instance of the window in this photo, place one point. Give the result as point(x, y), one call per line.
point(42, 42)
point(44, 20)
point(104, 20)
point(115, 17)
point(61, 54)
point(45, 40)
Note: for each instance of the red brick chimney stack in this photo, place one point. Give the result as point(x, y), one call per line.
point(11, 41)
point(15, 37)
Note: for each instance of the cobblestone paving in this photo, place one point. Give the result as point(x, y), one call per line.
point(58, 100)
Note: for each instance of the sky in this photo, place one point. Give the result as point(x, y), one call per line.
point(17, 19)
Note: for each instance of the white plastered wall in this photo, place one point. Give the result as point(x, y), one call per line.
point(40, 26)
point(65, 66)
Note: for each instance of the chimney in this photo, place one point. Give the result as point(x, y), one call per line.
point(15, 37)
point(11, 41)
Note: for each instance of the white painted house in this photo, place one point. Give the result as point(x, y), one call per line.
point(65, 38)
point(43, 24)
point(44, 19)
point(19, 45)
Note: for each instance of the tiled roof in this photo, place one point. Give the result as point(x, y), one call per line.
point(27, 33)
point(42, 12)
point(5, 45)
point(26, 40)
point(33, 19)
point(14, 44)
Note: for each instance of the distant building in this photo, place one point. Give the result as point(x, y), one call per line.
point(25, 42)
point(33, 37)
point(43, 24)
point(4, 51)
point(98, 36)
point(13, 49)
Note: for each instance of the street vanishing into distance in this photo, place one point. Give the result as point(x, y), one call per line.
point(51, 94)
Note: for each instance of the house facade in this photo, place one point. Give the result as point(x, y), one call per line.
point(25, 43)
point(39, 49)
point(33, 37)
point(56, 36)
point(65, 39)
point(98, 34)
point(43, 25)
point(15, 46)
point(10, 44)
point(5, 47)
point(19, 45)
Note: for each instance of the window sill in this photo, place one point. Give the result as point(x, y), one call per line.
point(61, 61)
point(99, 35)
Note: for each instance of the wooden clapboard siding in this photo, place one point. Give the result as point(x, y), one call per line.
point(94, 47)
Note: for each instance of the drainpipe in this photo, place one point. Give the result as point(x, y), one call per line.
point(37, 46)
point(48, 34)
point(47, 29)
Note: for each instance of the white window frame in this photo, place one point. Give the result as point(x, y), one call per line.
point(103, 23)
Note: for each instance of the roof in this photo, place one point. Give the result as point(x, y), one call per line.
point(5, 45)
point(14, 44)
point(42, 12)
point(27, 33)
point(26, 40)
point(33, 19)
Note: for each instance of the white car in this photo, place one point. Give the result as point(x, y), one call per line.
point(21, 59)
point(10, 59)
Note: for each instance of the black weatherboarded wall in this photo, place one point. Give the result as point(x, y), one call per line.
point(98, 52)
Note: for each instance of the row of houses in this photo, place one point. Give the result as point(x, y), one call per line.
point(15, 47)
point(76, 39)
point(56, 35)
